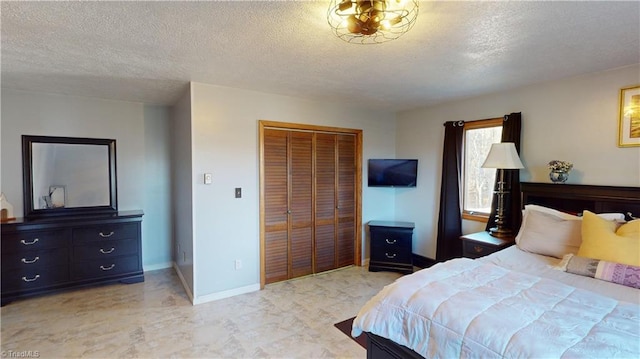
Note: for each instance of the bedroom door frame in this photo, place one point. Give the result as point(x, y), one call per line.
point(357, 133)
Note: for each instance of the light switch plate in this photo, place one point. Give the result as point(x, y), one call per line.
point(208, 178)
point(238, 192)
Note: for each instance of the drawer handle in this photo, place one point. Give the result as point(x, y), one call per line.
point(107, 268)
point(106, 235)
point(390, 256)
point(107, 252)
point(31, 279)
point(34, 241)
point(24, 260)
point(390, 242)
point(478, 249)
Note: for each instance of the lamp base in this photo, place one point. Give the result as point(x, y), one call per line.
point(500, 232)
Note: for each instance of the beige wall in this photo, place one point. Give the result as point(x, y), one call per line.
point(45, 114)
point(225, 143)
point(214, 129)
point(573, 119)
point(182, 191)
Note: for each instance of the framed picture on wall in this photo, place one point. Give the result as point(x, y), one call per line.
point(629, 122)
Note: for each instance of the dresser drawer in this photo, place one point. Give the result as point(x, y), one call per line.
point(107, 231)
point(105, 267)
point(33, 278)
point(33, 241)
point(391, 238)
point(35, 259)
point(104, 249)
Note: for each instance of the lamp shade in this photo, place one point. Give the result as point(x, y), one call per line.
point(503, 155)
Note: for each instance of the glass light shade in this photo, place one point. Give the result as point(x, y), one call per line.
point(371, 21)
point(503, 155)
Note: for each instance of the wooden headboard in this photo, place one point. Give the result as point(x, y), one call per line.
point(576, 198)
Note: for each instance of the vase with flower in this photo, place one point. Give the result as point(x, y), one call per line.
point(559, 171)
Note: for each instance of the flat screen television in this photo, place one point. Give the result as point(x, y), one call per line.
point(392, 173)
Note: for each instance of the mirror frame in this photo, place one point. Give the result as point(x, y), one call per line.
point(27, 177)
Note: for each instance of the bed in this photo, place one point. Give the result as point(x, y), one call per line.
point(516, 303)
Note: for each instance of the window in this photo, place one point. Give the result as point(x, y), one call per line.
point(478, 182)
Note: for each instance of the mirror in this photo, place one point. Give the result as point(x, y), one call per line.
point(68, 176)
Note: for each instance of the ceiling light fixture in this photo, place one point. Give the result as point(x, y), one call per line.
point(371, 21)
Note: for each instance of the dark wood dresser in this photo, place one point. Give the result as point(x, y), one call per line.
point(47, 255)
point(391, 246)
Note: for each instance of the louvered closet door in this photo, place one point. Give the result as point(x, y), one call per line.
point(276, 225)
point(300, 204)
point(309, 190)
point(346, 200)
point(325, 202)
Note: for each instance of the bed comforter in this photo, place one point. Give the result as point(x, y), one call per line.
point(465, 308)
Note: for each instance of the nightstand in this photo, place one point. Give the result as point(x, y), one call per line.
point(391, 244)
point(480, 244)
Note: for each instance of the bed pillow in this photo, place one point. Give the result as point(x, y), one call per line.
point(601, 240)
point(624, 274)
point(551, 232)
point(618, 217)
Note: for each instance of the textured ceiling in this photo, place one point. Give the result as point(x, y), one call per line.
point(149, 51)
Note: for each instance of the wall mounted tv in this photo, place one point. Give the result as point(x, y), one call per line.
point(392, 173)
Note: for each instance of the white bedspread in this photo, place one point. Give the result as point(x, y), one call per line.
point(541, 266)
point(466, 308)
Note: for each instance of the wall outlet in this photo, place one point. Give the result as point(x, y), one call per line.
point(238, 264)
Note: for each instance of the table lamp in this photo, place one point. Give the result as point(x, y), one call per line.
point(502, 156)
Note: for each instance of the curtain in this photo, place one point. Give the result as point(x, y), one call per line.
point(448, 243)
point(513, 200)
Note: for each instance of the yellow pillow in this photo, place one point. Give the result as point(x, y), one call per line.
point(601, 240)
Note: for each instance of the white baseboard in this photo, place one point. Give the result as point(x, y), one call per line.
point(184, 282)
point(213, 296)
point(226, 294)
point(152, 267)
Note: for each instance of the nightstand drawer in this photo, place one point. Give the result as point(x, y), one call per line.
point(391, 238)
point(476, 250)
point(480, 244)
point(394, 255)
